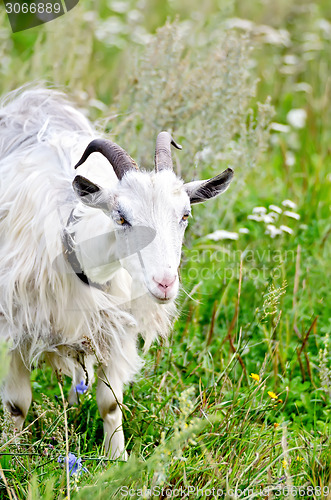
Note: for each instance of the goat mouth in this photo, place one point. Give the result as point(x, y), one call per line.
point(160, 300)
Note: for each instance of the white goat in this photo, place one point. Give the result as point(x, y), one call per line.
point(85, 266)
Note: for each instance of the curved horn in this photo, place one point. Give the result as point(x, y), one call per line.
point(163, 158)
point(120, 160)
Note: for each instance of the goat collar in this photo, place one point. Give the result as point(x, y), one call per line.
point(69, 251)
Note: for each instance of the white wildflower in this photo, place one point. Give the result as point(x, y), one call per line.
point(279, 127)
point(95, 103)
point(325, 26)
point(286, 229)
point(134, 16)
point(267, 218)
point(273, 230)
point(303, 87)
point(291, 59)
point(289, 158)
point(289, 204)
point(256, 217)
point(273, 216)
point(265, 32)
point(221, 234)
point(293, 215)
point(273, 36)
point(275, 208)
point(120, 7)
point(244, 230)
point(243, 24)
point(108, 30)
point(139, 35)
point(259, 210)
point(311, 43)
point(90, 16)
point(297, 117)
point(283, 38)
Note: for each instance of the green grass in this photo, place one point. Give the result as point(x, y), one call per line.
point(195, 417)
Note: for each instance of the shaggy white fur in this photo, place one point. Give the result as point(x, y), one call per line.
point(46, 311)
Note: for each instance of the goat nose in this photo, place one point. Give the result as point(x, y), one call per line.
point(166, 283)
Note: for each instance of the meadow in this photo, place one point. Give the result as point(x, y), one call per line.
point(237, 403)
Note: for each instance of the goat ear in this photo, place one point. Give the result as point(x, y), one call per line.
point(200, 191)
point(91, 194)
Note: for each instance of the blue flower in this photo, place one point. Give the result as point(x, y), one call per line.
point(75, 464)
point(81, 387)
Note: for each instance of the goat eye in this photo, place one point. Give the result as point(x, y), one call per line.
point(185, 217)
point(120, 221)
